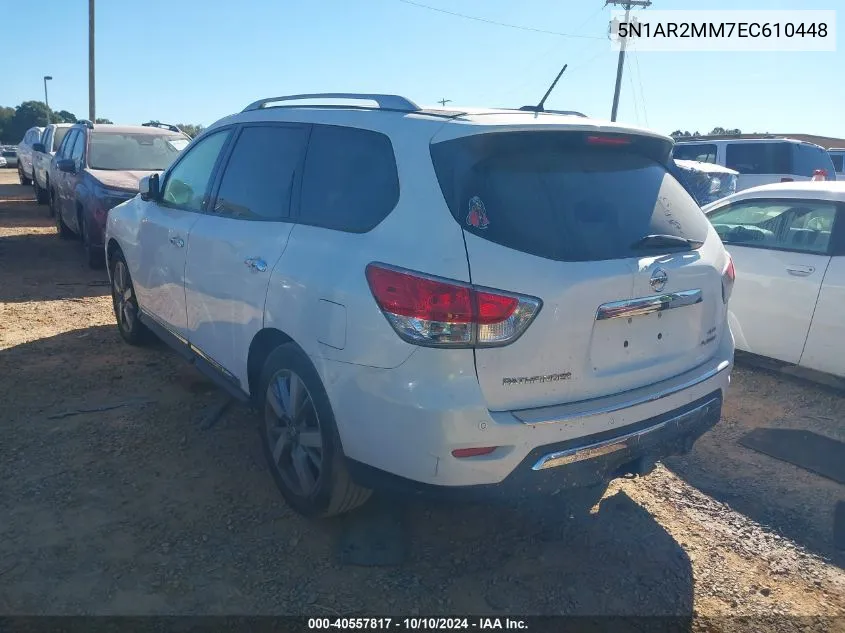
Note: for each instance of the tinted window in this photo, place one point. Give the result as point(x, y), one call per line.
point(704, 152)
point(78, 146)
point(759, 158)
point(796, 225)
point(837, 160)
point(544, 194)
point(808, 158)
point(259, 177)
point(350, 181)
point(128, 151)
point(187, 183)
point(67, 144)
point(58, 134)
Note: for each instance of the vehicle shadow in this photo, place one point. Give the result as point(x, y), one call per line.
point(34, 263)
point(188, 520)
point(795, 502)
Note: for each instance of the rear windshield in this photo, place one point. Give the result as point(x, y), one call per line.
point(808, 158)
point(58, 135)
point(837, 160)
point(702, 152)
point(126, 151)
point(543, 194)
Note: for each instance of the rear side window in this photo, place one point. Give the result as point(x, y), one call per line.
point(350, 181)
point(541, 194)
point(809, 158)
point(259, 177)
point(837, 161)
point(702, 152)
point(58, 134)
point(759, 158)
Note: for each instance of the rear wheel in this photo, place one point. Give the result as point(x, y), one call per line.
point(24, 180)
point(125, 303)
point(300, 438)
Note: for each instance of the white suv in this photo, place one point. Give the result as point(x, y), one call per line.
point(434, 300)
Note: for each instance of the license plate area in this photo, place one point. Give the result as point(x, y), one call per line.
point(633, 334)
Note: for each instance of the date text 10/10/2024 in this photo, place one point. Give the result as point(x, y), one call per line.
point(417, 624)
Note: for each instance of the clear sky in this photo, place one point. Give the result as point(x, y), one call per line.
point(194, 61)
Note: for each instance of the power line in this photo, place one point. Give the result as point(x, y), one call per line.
point(640, 80)
point(634, 96)
point(510, 26)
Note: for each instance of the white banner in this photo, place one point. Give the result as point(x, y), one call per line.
point(725, 30)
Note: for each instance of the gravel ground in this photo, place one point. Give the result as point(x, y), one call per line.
point(139, 510)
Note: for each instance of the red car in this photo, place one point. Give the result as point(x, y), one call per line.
point(99, 166)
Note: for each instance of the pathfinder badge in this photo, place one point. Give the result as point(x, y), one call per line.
point(477, 216)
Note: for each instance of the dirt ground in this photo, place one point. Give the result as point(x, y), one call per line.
point(139, 510)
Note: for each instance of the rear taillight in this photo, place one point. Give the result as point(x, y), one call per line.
point(728, 279)
point(437, 312)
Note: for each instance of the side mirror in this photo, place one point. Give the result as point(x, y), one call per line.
point(148, 187)
point(38, 147)
point(67, 165)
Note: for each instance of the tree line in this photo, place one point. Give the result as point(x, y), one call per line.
point(14, 122)
point(716, 131)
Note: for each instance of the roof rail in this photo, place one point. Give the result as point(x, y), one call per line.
point(165, 126)
point(86, 123)
point(385, 102)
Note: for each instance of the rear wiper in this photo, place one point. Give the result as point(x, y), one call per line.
point(661, 240)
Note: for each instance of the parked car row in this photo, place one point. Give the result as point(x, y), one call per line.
point(82, 170)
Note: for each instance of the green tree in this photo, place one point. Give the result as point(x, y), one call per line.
point(190, 129)
point(6, 116)
point(28, 114)
point(63, 116)
point(102, 121)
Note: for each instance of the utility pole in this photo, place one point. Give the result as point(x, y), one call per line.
point(92, 109)
point(621, 63)
point(443, 102)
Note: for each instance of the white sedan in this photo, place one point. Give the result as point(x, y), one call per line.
point(787, 241)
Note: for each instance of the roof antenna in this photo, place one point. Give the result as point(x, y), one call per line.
point(539, 106)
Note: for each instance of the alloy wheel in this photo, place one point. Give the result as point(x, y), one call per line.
point(124, 305)
point(293, 433)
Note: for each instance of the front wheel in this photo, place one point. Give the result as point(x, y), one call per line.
point(93, 256)
point(300, 438)
point(41, 195)
point(61, 228)
point(125, 303)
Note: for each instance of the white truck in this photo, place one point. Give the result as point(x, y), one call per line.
point(42, 154)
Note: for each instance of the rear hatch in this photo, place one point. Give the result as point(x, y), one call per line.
point(566, 216)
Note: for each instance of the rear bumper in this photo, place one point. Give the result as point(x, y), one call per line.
point(407, 421)
point(581, 463)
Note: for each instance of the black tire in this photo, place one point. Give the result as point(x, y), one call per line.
point(125, 304)
point(41, 195)
point(331, 490)
point(51, 202)
point(94, 257)
point(24, 180)
point(61, 228)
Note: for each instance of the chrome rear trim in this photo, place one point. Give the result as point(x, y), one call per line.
point(648, 305)
point(614, 444)
point(585, 408)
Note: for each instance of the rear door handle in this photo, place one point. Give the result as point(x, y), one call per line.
point(256, 263)
point(800, 271)
point(177, 241)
